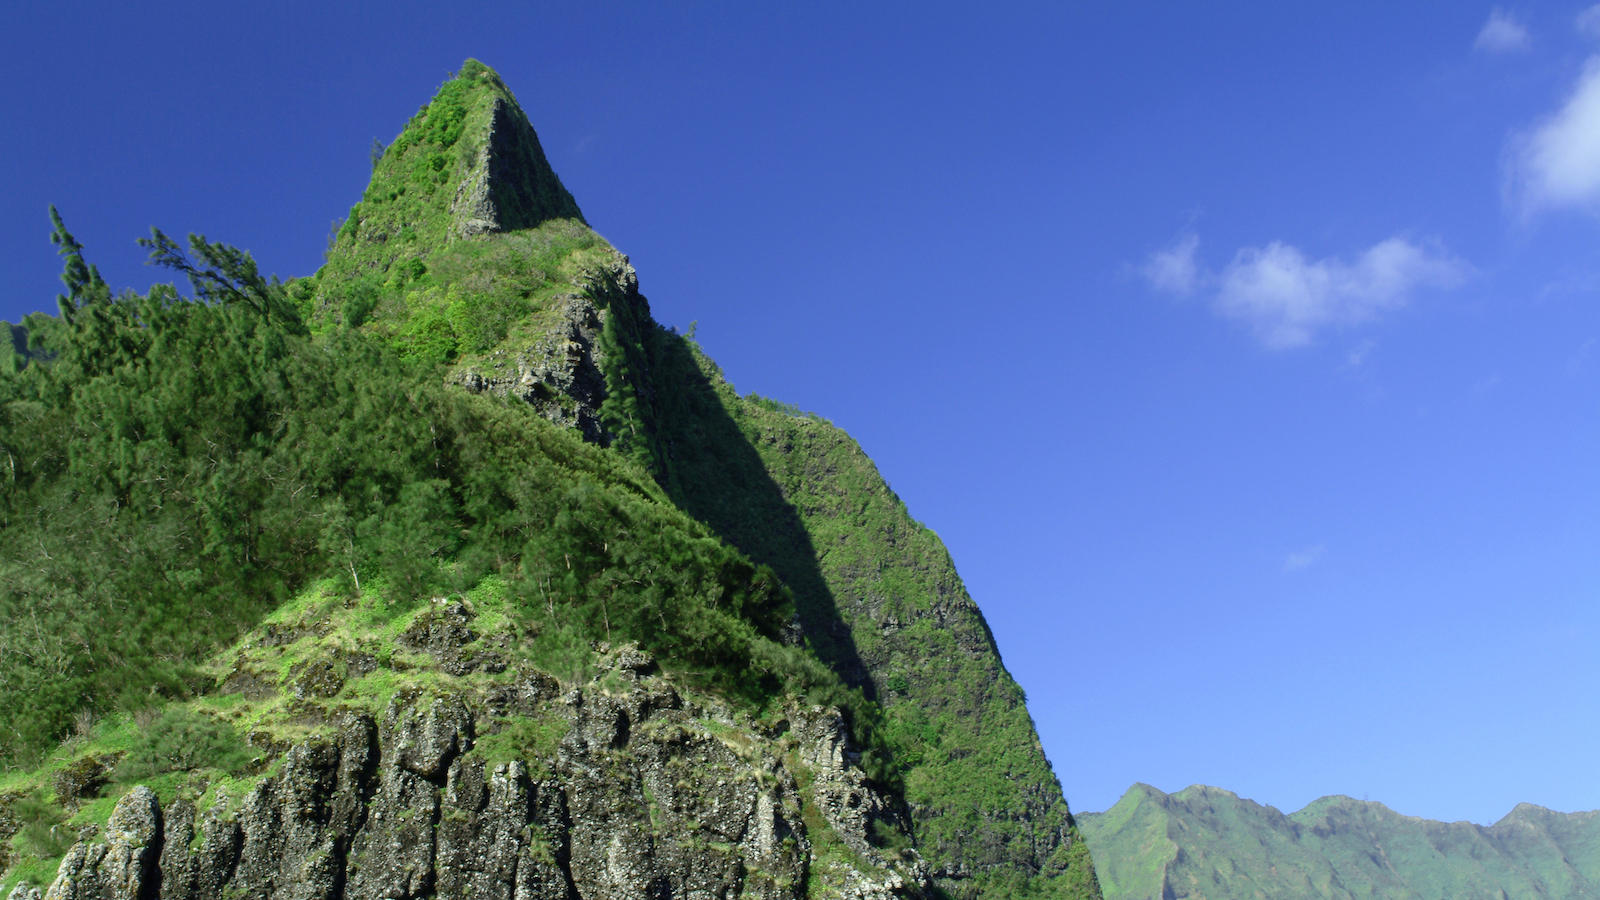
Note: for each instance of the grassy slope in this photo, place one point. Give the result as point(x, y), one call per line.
point(1206, 842)
point(1138, 824)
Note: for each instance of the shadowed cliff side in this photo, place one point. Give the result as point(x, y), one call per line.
point(880, 601)
point(712, 470)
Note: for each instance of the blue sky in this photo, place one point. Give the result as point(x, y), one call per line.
point(1246, 356)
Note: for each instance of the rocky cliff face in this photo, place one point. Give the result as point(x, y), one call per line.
point(561, 372)
point(648, 795)
point(508, 185)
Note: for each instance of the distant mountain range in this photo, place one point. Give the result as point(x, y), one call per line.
point(1211, 843)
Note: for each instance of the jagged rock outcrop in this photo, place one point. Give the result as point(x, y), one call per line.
point(122, 867)
point(648, 796)
point(559, 375)
point(562, 374)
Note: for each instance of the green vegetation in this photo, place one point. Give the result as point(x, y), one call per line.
point(179, 739)
point(177, 749)
point(467, 299)
point(180, 467)
point(532, 740)
point(227, 519)
point(40, 834)
point(413, 261)
point(1203, 841)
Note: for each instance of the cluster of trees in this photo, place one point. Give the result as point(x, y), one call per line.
point(176, 466)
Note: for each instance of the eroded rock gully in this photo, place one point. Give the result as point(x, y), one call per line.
point(646, 797)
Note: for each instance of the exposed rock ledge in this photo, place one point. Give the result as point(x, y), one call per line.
point(646, 797)
point(561, 374)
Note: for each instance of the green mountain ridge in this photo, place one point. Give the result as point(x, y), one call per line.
point(1208, 842)
point(225, 519)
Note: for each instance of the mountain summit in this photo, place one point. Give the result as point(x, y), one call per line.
point(467, 163)
point(476, 580)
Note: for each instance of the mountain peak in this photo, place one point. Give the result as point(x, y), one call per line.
point(509, 185)
point(468, 163)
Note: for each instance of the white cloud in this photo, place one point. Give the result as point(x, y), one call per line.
point(1557, 165)
point(1287, 299)
point(1302, 558)
point(1174, 269)
point(1501, 34)
point(1589, 21)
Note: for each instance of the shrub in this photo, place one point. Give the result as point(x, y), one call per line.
point(182, 740)
point(42, 833)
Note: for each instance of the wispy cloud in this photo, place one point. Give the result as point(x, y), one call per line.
point(1589, 21)
point(1556, 165)
point(1302, 558)
point(1174, 269)
point(1578, 363)
point(1286, 299)
point(1357, 356)
point(1502, 34)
